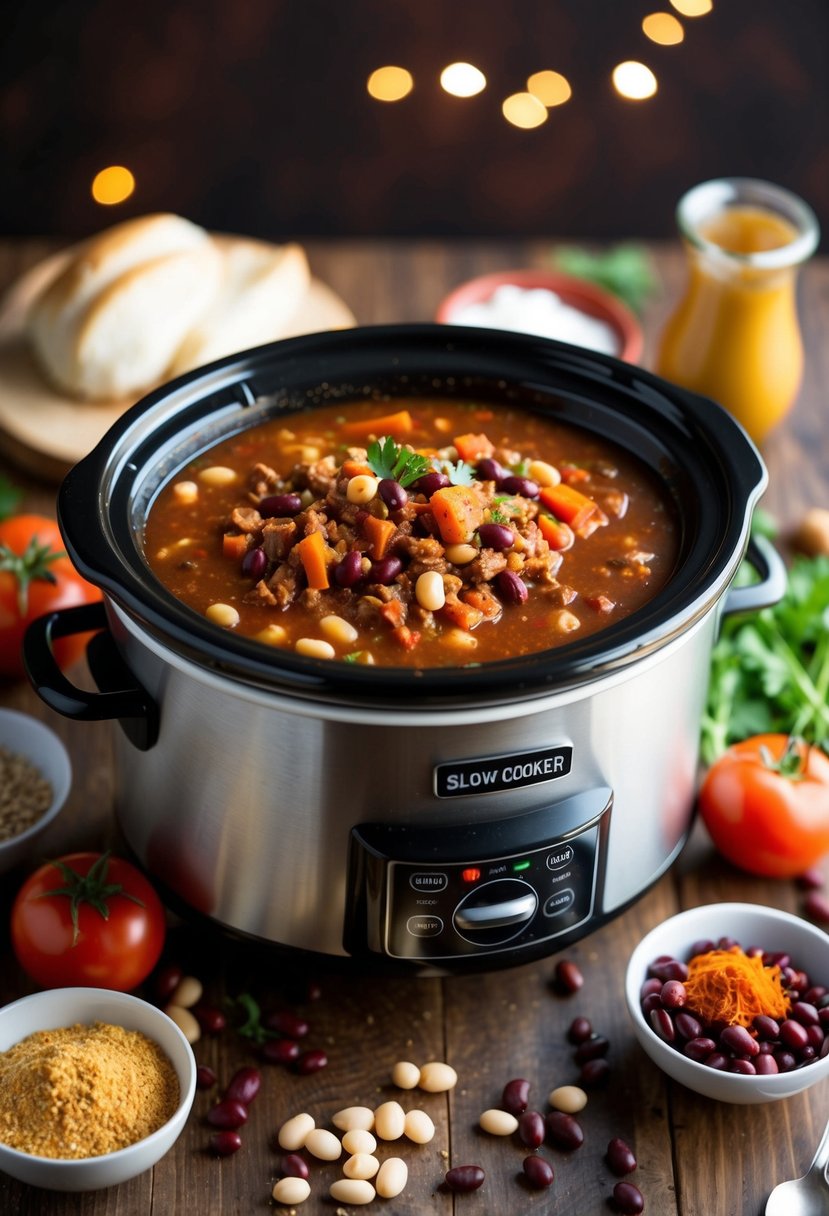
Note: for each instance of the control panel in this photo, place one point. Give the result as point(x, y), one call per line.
point(431, 893)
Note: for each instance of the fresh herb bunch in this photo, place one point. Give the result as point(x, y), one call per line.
point(625, 270)
point(770, 674)
point(389, 459)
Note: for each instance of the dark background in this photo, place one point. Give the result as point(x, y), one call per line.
point(253, 116)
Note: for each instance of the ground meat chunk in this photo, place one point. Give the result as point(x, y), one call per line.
point(486, 565)
point(246, 519)
point(284, 585)
point(543, 568)
point(262, 480)
point(312, 520)
point(278, 537)
point(322, 476)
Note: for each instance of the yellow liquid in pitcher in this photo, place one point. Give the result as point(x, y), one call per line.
point(735, 335)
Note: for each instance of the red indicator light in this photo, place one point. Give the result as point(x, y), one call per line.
point(471, 875)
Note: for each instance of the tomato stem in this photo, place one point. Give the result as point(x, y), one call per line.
point(33, 563)
point(91, 888)
point(792, 763)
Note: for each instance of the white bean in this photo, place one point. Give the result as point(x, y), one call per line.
point(564, 621)
point(272, 635)
point(498, 1122)
point(390, 1121)
point(222, 614)
point(358, 1140)
point(185, 491)
point(461, 554)
point(429, 591)
point(339, 630)
point(361, 1165)
point(294, 1132)
point(217, 475)
point(314, 648)
point(543, 474)
point(461, 639)
point(352, 1190)
point(405, 1075)
point(187, 993)
point(392, 1177)
point(352, 1117)
point(569, 1098)
point(185, 1021)
point(436, 1077)
point(362, 488)
point(291, 1190)
point(323, 1144)
point(419, 1127)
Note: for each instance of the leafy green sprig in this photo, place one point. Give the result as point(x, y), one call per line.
point(389, 459)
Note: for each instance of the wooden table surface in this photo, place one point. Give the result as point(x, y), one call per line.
point(696, 1157)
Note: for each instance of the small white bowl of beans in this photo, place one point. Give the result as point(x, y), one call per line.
point(35, 777)
point(722, 1061)
point(136, 1083)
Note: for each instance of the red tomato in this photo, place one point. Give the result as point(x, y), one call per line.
point(36, 577)
point(87, 920)
point(765, 803)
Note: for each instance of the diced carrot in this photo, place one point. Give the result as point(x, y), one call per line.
point(568, 504)
point(394, 612)
point(397, 425)
point(574, 475)
point(379, 533)
point(356, 468)
point(558, 535)
point(482, 599)
point(465, 616)
point(458, 511)
point(234, 547)
point(313, 553)
point(473, 447)
point(406, 637)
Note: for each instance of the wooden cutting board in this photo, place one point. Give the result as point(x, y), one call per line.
point(46, 432)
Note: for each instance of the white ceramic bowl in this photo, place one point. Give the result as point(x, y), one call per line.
point(750, 925)
point(66, 1007)
point(26, 736)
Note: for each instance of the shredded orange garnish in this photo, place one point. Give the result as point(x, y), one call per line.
point(732, 987)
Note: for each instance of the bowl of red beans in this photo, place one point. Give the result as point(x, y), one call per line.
point(732, 1001)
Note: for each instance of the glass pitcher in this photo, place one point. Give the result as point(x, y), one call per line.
point(735, 334)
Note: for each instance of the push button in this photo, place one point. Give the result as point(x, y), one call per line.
point(428, 881)
point(560, 901)
point(424, 926)
point(561, 857)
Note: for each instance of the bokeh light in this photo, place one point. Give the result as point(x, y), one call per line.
point(390, 83)
point(551, 88)
point(693, 8)
point(112, 185)
point(663, 28)
point(524, 110)
point(634, 80)
point(462, 80)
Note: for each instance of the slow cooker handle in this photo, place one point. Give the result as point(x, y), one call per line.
point(768, 563)
point(123, 698)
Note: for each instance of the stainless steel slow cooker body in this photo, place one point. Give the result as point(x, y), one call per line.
point(452, 817)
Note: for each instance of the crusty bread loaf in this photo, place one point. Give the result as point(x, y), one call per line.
point(260, 289)
point(157, 296)
point(108, 326)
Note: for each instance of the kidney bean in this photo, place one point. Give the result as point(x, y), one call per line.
point(254, 563)
point(580, 1029)
point(291, 1025)
point(687, 1026)
point(785, 1060)
point(429, 483)
point(524, 486)
point(244, 1085)
point(516, 1096)
point(280, 1051)
point(531, 1128)
point(741, 1065)
point(392, 494)
point(620, 1157)
point(205, 1077)
point(211, 1019)
point(716, 1060)
point(563, 1130)
point(311, 1061)
point(824, 1048)
point(463, 1178)
point(804, 1013)
point(807, 1053)
point(662, 1023)
point(765, 1065)
point(650, 986)
point(673, 994)
point(793, 1035)
point(496, 536)
point(594, 1072)
point(490, 470)
point(385, 570)
point(227, 1114)
point(703, 946)
point(166, 980)
point(591, 1049)
point(652, 1001)
point(728, 943)
point(568, 977)
point(668, 969)
point(814, 994)
point(699, 1048)
point(539, 1172)
point(816, 1036)
point(349, 571)
point(225, 1143)
point(816, 907)
point(279, 504)
point(737, 1040)
point(511, 588)
point(628, 1198)
point(766, 1027)
point(293, 1166)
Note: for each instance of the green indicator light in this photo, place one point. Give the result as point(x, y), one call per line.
point(519, 866)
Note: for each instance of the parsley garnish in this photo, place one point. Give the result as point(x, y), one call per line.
point(388, 459)
point(460, 474)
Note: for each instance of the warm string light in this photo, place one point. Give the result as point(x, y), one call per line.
point(462, 80)
point(390, 83)
point(112, 185)
point(634, 80)
point(663, 28)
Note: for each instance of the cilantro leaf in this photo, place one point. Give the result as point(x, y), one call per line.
point(625, 270)
point(388, 459)
point(460, 474)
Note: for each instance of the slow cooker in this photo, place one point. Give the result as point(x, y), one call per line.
point(444, 818)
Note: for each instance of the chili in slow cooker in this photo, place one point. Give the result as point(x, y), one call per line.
point(429, 533)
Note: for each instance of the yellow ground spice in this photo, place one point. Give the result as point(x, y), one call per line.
point(81, 1091)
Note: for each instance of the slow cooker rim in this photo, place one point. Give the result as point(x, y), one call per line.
point(102, 476)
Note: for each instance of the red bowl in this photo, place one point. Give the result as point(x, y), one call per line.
point(578, 293)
